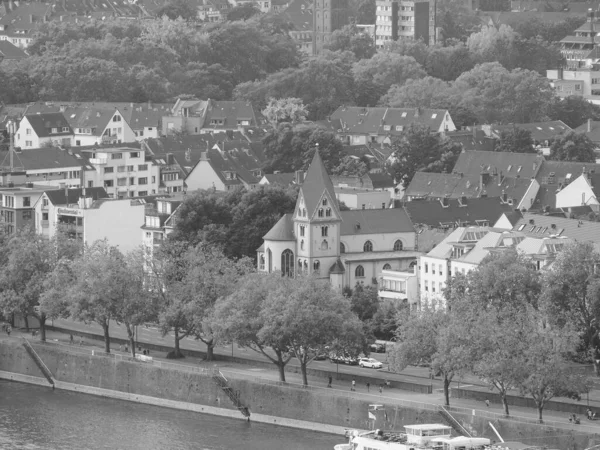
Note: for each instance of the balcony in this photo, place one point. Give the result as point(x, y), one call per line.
point(98, 160)
point(109, 139)
point(398, 285)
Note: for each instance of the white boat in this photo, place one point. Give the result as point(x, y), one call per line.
point(415, 437)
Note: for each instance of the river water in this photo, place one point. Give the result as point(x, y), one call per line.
point(35, 417)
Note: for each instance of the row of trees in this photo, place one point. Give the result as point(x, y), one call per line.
point(515, 328)
point(189, 291)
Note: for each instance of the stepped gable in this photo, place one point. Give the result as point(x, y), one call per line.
point(315, 183)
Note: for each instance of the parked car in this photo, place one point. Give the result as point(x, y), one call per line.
point(341, 359)
point(370, 363)
point(377, 347)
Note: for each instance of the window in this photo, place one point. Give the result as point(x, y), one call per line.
point(324, 231)
point(426, 267)
point(142, 167)
point(398, 245)
point(65, 129)
point(287, 263)
point(116, 118)
point(130, 169)
point(116, 156)
point(433, 286)
point(44, 216)
point(54, 130)
point(9, 202)
point(26, 215)
point(324, 245)
point(302, 228)
point(324, 202)
point(433, 269)
point(368, 247)
point(440, 271)
point(134, 154)
point(28, 131)
point(131, 181)
point(153, 179)
point(122, 182)
point(90, 184)
point(302, 244)
point(28, 144)
point(109, 183)
point(328, 212)
point(440, 285)
point(121, 169)
point(320, 214)
point(359, 272)
point(261, 262)
point(342, 248)
point(109, 169)
point(426, 284)
point(387, 267)
point(26, 201)
point(316, 266)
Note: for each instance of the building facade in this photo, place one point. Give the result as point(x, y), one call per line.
point(328, 16)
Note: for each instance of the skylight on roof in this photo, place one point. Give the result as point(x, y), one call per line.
point(539, 128)
point(77, 156)
point(404, 114)
point(509, 167)
point(72, 116)
point(519, 169)
point(434, 115)
point(521, 227)
point(552, 128)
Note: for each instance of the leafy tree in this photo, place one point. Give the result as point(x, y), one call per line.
point(242, 12)
point(517, 140)
point(364, 302)
point(241, 317)
point(448, 63)
point(285, 110)
point(188, 282)
point(323, 83)
point(176, 9)
point(572, 146)
point(418, 149)
point(290, 148)
point(101, 286)
point(351, 166)
point(373, 77)
point(309, 314)
point(571, 294)
point(426, 92)
point(548, 31)
point(573, 110)
point(366, 12)
point(548, 375)
point(350, 39)
point(436, 338)
point(387, 318)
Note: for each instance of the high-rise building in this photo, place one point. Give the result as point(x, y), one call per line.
point(405, 19)
point(329, 15)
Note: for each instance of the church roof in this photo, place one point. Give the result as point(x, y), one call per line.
point(375, 221)
point(315, 183)
point(282, 231)
point(337, 267)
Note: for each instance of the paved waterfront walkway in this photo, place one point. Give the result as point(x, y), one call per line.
point(294, 381)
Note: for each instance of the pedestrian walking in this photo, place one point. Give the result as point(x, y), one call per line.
point(71, 339)
point(80, 341)
point(368, 387)
point(8, 330)
point(120, 347)
point(381, 388)
point(487, 403)
point(330, 380)
point(353, 388)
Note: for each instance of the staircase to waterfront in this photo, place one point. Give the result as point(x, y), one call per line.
point(455, 424)
point(38, 361)
point(233, 396)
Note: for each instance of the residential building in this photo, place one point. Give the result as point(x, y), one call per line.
point(213, 10)
point(16, 206)
point(98, 126)
point(122, 170)
point(10, 53)
point(171, 175)
point(45, 167)
point(41, 130)
point(379, 181)
point(473, 139)
point(344, 247)
point(542, 133)
point(399, 286)
point(202, 116)
point(386, 22)
point(363, 125)
point(116, 220)
point(507, 164)
point(582, 191)
point(159, 222)
point(558, 176)
point(47, 206)
point(328, 16)
point(20, 24)
point(283, 179)
point(225, 166)
point(363, 198)
point(299, 15)
point(542, 226)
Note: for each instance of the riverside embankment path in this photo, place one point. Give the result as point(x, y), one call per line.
point(391, 397)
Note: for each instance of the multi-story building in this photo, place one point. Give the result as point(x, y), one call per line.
point(402, 19)
point(123, 170)
point(329, 15)
point(17, 206)
point(402, 286)
point(159, 222)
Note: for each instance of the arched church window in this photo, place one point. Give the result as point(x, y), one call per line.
point(320, 214)
point(317, 267)
point(368, 247)
point(398, 245)
point(324, 202)
point(287, 263)
point(324, 245)
point(324, 231)
point(328, 212)
point(305, 266)
point(302, 244)
point(342, 248)
point(261, 262)
point(359, 272)
point(387, 267)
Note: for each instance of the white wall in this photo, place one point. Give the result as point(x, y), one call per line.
point(116, 220)
point(381, 242)
point(529, 196)
point(203, 176)
point(577, 193)
point(356, 199)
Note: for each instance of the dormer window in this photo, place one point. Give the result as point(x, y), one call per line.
point(320, 213)
point(324, 202)
point(65, 129)
point(54, 130)
point(216, 121)
point(116, 118)
point(387, 127)
point(433, 116)
point(399, 127)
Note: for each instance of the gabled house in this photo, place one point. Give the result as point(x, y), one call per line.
point(9, 52)
point(283, 179)
point(362, 125)
point(202, 116)
point(583, 191)
point(98, 126)
point(474, 139)
point(40, 130)
point(16, 206)
point(20, 24)
point(225, 166)
point(542, 226)
point(542, 133)
point(556, 176)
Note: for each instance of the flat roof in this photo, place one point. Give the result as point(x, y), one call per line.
point(428, 426)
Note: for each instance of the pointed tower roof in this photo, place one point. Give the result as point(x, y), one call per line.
point(315, 183)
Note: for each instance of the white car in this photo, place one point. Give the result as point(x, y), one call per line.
point(370, 362)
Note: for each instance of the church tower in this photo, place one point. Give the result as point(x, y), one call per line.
point(317, 222)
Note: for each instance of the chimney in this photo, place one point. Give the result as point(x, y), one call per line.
point(592, 33)
point(504, 197)
point(299, 177)
point(500, 178)
point(484, 177)
point(445, 202)
point(30, 18)
point(589, 125)
point(170, 159)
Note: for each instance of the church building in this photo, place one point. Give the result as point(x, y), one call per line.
point(346, 247)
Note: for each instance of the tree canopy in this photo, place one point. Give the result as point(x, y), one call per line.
point(516, 140)
point(572, 146)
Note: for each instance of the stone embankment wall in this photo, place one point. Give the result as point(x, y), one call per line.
point(270, 403)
